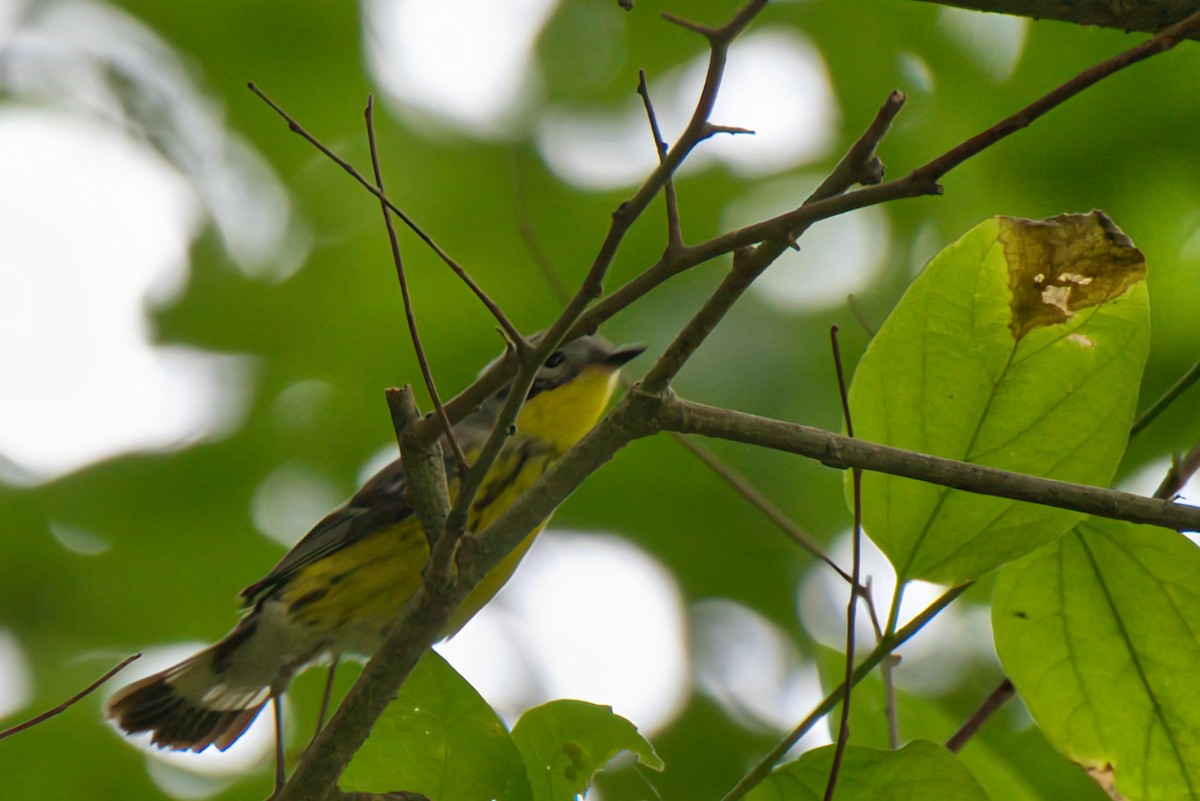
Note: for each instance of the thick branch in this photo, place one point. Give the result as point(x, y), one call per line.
point(838, 451)
point(1144, 15)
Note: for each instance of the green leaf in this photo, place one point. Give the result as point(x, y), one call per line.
point(1011, 760)
point(564, 744)
point(1100, 633)
point(441, 739)
point(918, 772)
point(1020, 346)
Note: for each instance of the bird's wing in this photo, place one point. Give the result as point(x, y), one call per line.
point(382, 502)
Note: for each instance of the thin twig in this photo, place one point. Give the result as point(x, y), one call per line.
point(460, 460)
point(843, 736)
point(674, 228)
point(295, 127)
point(1169, 397)
point(885, 647)
point(67, 704)
point(752, 495)
point(1178, 475)
point(993, 702)
point(858, 164)
point(867, 324)
point(525, 225)
point(887, 670)
point(697, 129)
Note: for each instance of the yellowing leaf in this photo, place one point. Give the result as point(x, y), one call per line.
point(1020, 346)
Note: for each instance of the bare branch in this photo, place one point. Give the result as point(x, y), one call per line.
point(424, 467)
point(756, 499)
point(835, 450)
point(843, 736)
point(525, 225)
point(674, 229)
point(885, 647)
point(460, 460)
point(993, 702)
point(1142, 16)
point(67, 704)
point(1170, 396)
point(297, 128)
point(1180, 473)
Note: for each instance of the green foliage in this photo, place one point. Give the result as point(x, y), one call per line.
point(967, 368)
point(918, 771)
point(441, 739)
point(178, 522)
point(1100, 632)
point(564, 743)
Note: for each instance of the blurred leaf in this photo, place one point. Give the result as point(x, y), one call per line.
point(917, 772)
point(1100, 633)
point(1020, 347)
point(441, 739)
point(1010, 759)
point(564, 744)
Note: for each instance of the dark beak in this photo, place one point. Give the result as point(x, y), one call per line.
point(623, 354)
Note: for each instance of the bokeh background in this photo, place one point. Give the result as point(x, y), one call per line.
point(198, 317)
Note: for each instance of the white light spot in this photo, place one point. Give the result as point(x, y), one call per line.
point(179, 776)
point(837, 257)
point(73, 332)
point(587, 616)
point(775, 84)
point(466, 62)
point(936, 659)
point(79, 540)
point(105, 65)
point(751, 668)
point(290, 501)
point(994, 42)
point(597, 149)
point(16, 675)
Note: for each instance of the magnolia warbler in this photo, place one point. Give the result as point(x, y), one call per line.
point(339, 588)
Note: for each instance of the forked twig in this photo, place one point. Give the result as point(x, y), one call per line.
point(886, 646)
point(295, 127)
point(674, 228)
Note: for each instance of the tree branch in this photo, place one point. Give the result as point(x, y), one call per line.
point(835, 450)
point(1145, 15)
point(881, 651)
point(67, 704)
point(460, 460)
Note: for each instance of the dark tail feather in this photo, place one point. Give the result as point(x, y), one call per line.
point(154, 705)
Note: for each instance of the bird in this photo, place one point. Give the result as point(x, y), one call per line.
point(339, 588)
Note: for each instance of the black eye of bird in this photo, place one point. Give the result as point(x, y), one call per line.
point(555, 359)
